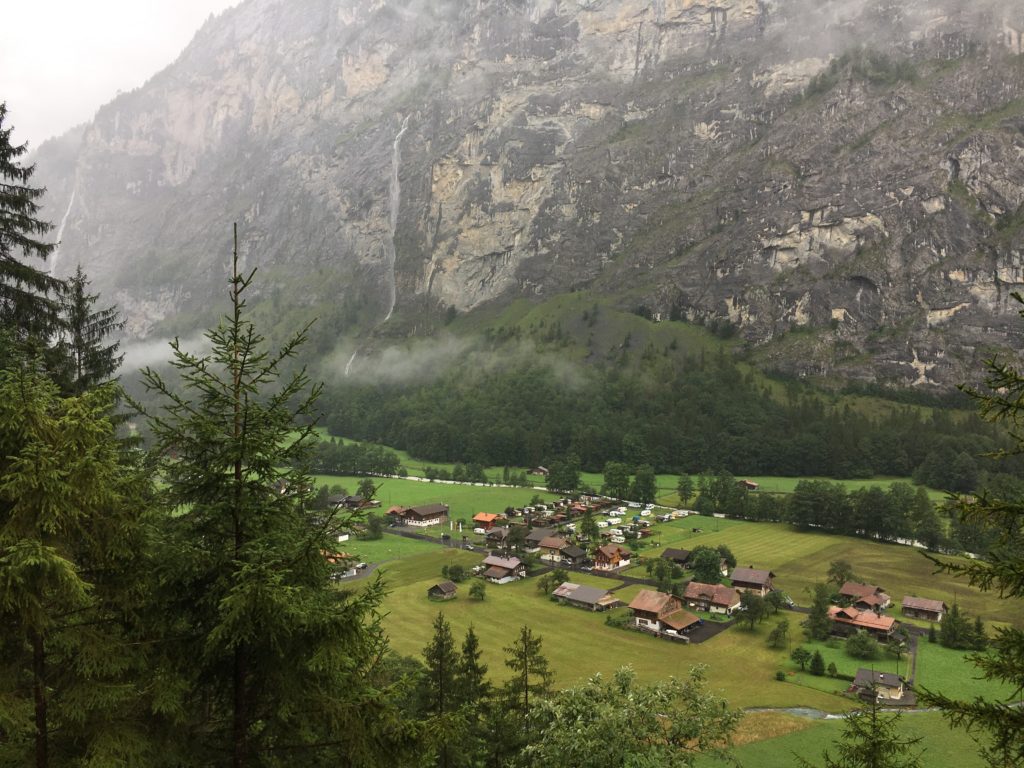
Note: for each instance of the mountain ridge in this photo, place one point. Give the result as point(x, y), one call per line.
point(840, 182)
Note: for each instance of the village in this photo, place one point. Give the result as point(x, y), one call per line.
point(679, 599)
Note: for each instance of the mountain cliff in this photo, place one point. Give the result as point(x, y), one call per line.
point(841, 183)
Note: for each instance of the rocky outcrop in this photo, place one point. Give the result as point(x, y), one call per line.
point(842, 181)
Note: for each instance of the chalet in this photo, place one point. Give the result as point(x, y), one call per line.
point(497, 538)
point(715, 598)
point(922, 608)
point(536, 536)
point(551, 548)
point(421, 516)
point(678, 556)
point(486, 520)
point(752, 580)
point(611, 557)
point(661, 613)
point(846, 621)
point(884, 685)
point(747, 485)
point(542, 471)
point(443, 590)
point(590, 598)
point(573, 555)
point(502, 570)
point(867, 597)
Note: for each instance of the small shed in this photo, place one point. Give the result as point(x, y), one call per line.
point(443, 590)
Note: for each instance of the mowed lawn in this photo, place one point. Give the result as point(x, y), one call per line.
point(943, 746)
point(578, 643)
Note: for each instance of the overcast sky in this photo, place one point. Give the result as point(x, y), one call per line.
point(60, 60)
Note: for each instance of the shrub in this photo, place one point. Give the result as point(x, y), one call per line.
point(780, 676)
point(817, 664)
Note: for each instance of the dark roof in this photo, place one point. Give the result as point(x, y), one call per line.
point(446, 587)
point(924, 604)
point(572, 551)
point(496, 572)
point(751, 575)
point(865, 678)
point(428, 510)
point(497, 533)
point(537, 535)
point(677, 555)
point(581, 594)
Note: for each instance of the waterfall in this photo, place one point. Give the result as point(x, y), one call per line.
point(394, 201)
point(348, 365)
point(60, 231)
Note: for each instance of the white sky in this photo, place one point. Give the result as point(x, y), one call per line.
point(60, 60)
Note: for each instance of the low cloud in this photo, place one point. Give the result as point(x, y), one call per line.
point(155, 352)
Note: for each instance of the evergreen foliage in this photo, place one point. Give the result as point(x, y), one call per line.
point(861, 645)
point(28, 306)
point(707, 565)
point(261, 656)
point(817, 666)
point(83, 334)
point(818, 624)
point(74, 517)
point(872, 739)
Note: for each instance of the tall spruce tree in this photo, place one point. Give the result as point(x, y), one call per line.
point(73, 543)
point(27, 294)
point(439, 693)
point(265, 661)
point(83, 336)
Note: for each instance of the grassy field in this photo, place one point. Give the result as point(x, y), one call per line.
point(389, 547)
point(801, 559)
point(943, 747)
point(464, 500)
point(579, 643)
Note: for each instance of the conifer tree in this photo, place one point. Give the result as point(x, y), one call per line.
point(27, 293)
point(530, 673)
point(264, 658)
point(1002, 571)
point(73, 522)
point(84, 332)
point(872, 739)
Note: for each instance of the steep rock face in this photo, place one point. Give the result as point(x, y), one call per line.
point(842, 181)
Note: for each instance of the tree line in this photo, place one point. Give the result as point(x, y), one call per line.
point(677, 416)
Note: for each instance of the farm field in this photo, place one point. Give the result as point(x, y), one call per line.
point(801, 558)
point(464, 500)
point(578, 643)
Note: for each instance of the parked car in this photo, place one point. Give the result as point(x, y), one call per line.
point(362, 566)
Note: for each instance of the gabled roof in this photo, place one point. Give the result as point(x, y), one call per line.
point(865, 678)
point(581, 594)
point(924, 604)
point(508, 563)
point(611, 550)
point(446, 587)
point(428, 510)
point(856, 589)
point(485, 517)
point(498, 533)
point(678, 555)
point(679, 620)
point(536, 535)
point(751, 576)
point(574, 552)
point(496, 572)
point(871, 600)
point(553, 542)
point(862, 619)
point(718, 594)
point(650, 601)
